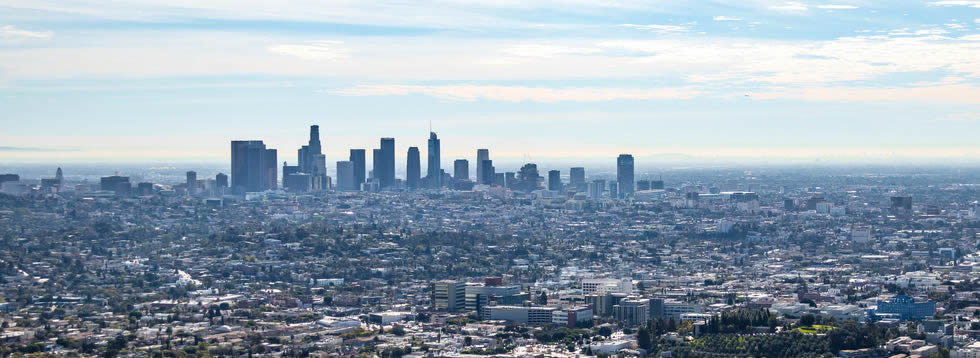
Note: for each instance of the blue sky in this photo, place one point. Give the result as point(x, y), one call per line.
point(150, 80)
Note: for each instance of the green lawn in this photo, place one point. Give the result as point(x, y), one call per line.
point(817, 328)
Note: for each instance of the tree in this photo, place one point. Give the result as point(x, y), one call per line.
point(643, 338)
point(807, 320)
point(397, 330)
point(543, 299)
point(605, 331)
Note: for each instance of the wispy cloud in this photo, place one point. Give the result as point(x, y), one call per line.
point(519, 93)
point(313, 50)
point(923, 32)
point(548, 50)
point(11, 31)
point(32, 149)
point(962, 94)
point(836, 7)
point(659, 28)
point(726, 18)
point(970, 3)
point(791, 6)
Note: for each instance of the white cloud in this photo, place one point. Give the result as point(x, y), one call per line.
point(792, 6)
point(659, 28)
point(837, 7)
point(313, 50)
point(970, 3)
point(673, 61)
point(518, 93)
point(726, 18)
point(548, 51)
point(11, 31)
point(923, 32)
point(963, 93)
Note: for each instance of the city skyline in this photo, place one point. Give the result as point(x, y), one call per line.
point(844, 81)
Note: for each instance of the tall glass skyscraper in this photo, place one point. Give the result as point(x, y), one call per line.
point(554, 180)
point(413, 171)
point(624, 175)
point(461, 169)
point(253, 166)
point(360, 174)
point(434, 172)
point(576, 179)
point(386, 176)
point(481, 155)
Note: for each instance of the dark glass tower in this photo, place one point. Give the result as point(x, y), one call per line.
point(434, 172)
point(576, 178)
point(554, 180)
point(624, 175)
point(413, 172)
point(387, 174)
point(253, 166)
point(360, 174)
point(486, 170)
point(481, 155)
point(461, 169)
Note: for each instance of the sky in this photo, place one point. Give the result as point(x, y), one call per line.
point(798, 81)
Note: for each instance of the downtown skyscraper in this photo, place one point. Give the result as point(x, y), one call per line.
point(434, 172)
point(413, 169)
point(624, 175)
point(357, 158)
point(384, 163)
point(481, 155)
point(253, 166)
point(312, 161)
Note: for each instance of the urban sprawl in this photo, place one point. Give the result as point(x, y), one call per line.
point(284, 260)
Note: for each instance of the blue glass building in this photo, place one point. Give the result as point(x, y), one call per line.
point(906, 308)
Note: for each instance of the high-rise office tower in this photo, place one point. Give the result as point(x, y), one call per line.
point(554, 180)
point(413, 172)
point(114, 183)
point(191, 181)
point(596, 188)
point(59, 176)
point(318, 173)
point(486, 170)
point(308, 154)
point(271, 172)
point(576, 178)
point(253, 166)
point(624, 175)
point(345, 175)
point(642, 185)
point(377, 162)
point(312, 161)
point(528, 178)
point(614, 189)
point(289, 169)
point(461, 169)
point(656, 184)
point(298, 182)
point(434, 157)
point(387, 174)
point(481, 155)
point(357, 158)
point(221, 180)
